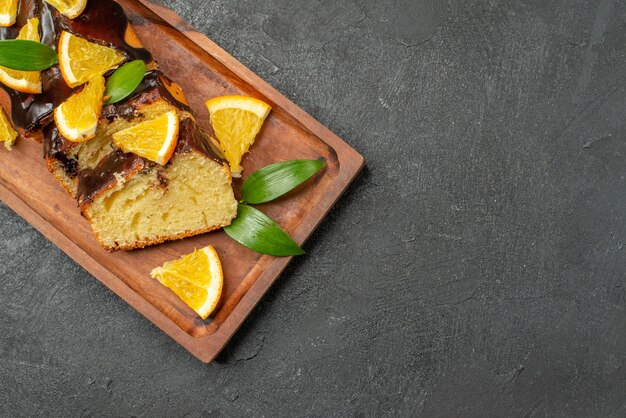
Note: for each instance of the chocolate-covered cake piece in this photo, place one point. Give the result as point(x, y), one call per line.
point(132, 202)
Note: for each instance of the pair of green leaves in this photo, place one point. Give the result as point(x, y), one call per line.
point(23, 55)
point(252, 228)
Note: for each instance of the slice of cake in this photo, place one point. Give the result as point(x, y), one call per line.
point(132, 202)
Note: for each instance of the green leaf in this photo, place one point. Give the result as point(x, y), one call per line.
point(253, 229)
point(25, 55)
point(124, 81)
point(277, 179)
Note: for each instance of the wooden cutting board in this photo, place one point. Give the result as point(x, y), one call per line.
point(204, 71)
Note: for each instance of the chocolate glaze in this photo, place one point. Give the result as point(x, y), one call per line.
point(55, 146)
point(47, 25)
point(192, 138)
point(33, 111)
point(106, 173)
point(103, 21)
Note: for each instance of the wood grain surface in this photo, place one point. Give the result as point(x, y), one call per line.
point(204, 71)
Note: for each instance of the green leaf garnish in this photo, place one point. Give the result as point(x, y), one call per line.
point(23, 55)
point(124, 81)
point(277, 179)
point(253, 229)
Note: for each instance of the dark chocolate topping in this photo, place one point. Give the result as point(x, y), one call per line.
point(33, 111)
point(103, 22)
point(55, 146)
point(106, 173)
point(47, 25)
point(192, 138)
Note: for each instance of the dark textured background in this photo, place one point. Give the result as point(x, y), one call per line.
point(476, 267)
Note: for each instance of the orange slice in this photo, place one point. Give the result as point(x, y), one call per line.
point(81, 60)
point(77, 118)
point(7, 133)
point(196, 278)
point(24, 81)
point(69, 8)
point(154, 139)
point(8, 12)
point(236, 121)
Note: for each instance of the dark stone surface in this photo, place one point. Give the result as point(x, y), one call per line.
point(476, 267)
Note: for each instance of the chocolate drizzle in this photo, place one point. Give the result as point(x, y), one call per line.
point(103, 22)
point(47, 25)
point(192, 138)
point(105, 175)
point(33, 111)
point(55, 146)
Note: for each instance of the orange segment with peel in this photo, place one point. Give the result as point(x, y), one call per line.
point(69, 8)
point(77, 117)
point(237, 121)
point(81, 60)
point(196, 278)
point(154, 139)
point(24, 81)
